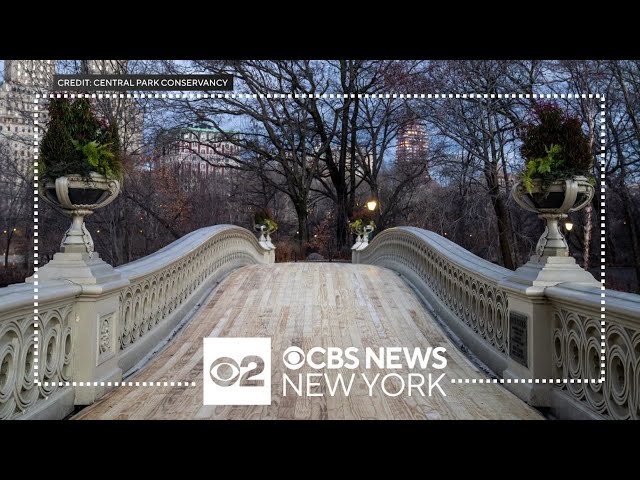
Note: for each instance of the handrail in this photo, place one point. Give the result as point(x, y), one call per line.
point(455, 253)
point(473, 297)
point(576, 352)
point(161, 282)
point(182, 248)
point(126, 320)
point(461, 287)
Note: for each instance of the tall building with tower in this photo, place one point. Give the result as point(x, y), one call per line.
point(412, 143)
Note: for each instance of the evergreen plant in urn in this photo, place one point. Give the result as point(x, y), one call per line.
point(556, 179)
point(80, 170)
point(81, 167)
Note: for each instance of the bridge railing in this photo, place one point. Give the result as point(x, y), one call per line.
point(161, 283)
point(88, 335)
point(576, 351)
point(51, 356)
point(459, 286)
point(543, 342)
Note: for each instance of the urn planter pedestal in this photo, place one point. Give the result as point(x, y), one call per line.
point(362, 238)
point(78, 197)
point(97, 306)
point(265, 241)
point(551, 263)
point(531, 314)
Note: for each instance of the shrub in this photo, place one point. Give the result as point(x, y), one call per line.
point(554, 147)
point(262, 216)
point(77, 142)
point(360, 218)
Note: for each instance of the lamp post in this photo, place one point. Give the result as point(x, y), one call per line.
point(372, 205)
point(568, 226)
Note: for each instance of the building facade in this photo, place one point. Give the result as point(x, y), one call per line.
point(22, 80)
point(104, 67)
point(198, 150)
point(412, 143)
point(197, 156)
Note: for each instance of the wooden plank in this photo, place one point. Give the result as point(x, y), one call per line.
point(311, 304)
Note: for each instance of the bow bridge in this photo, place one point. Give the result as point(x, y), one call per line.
point(128, 342)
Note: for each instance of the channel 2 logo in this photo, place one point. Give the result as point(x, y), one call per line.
point(237, 371)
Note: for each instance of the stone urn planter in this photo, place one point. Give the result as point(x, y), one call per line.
point(265, 235)
point(78, 197)
point(362, 239)
point(552, 204)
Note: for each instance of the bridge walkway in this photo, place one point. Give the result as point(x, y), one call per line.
point(307, 305)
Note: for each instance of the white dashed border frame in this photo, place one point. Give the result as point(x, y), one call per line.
point(199, 95)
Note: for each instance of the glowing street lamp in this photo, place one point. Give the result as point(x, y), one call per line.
point(568, 225)
point(372, 204)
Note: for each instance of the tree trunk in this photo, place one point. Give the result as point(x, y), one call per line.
point(341, 215)
point(504, 229)
point(497, 201)
point(28, 239)
point(514, 239)
point(354, 162)
point(339, 175)
point(8, 246)
point(303, 230)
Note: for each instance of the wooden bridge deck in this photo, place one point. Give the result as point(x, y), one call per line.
point(310, 304)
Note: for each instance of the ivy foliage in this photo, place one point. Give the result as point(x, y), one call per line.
point(262, 216)
point(554, 147)
point(77, 142)
point(361, 218)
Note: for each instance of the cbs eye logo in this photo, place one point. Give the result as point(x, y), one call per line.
point(225, 371)
point(237, 371)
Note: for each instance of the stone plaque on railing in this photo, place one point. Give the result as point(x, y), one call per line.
point(518, 337)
